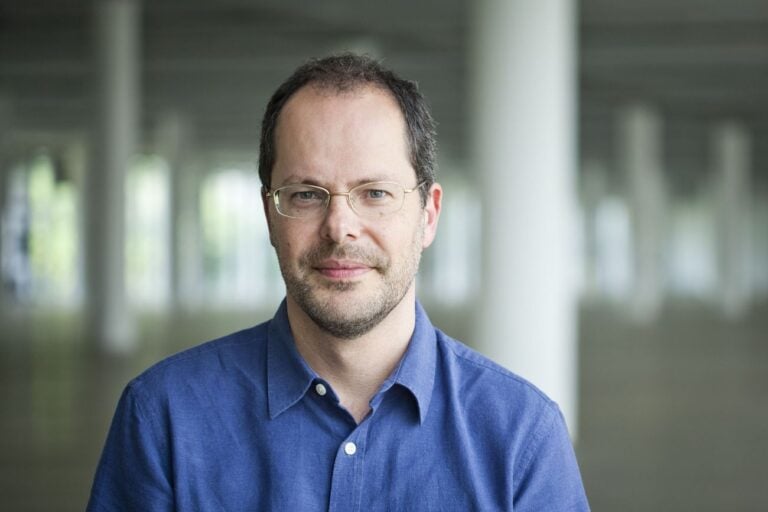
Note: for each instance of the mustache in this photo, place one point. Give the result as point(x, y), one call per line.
point(360, 254)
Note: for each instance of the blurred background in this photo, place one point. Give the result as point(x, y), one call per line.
point(604, 233)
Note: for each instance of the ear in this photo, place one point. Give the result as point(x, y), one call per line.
point(432, 213)
point(265, 200)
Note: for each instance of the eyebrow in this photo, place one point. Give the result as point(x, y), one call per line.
point(295, 179)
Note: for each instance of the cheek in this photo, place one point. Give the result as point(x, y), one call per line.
point(285, 246)
point(290, 243)
point(399, 239)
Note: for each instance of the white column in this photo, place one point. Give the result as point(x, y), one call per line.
point(640, 154)
point(592, 190)
point(5, 162)
point(524, 64)
point(6, 126)
point(175, 145)
point(732, 161)
point(759, 270)
point(115, 136)
point(75, 156)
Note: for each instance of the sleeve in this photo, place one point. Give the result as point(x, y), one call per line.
point(548, 474)
point(134, 470)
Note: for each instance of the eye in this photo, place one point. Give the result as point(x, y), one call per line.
point(376, 193)
point(307, 195)
point(301, 196)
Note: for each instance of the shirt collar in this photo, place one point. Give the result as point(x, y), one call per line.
point(416, 371)
point(289, 377)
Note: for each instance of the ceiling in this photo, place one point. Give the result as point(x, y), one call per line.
point(698, 61)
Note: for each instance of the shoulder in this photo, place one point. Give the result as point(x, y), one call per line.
point(238, 353)
point(496, 401)
point(513, 424)
point(507, 412)
point(469, 365)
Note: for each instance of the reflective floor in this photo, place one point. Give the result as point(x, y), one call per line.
point(57, 398)
point(673, 417)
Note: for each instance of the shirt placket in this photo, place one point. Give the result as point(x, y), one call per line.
point(347, 478)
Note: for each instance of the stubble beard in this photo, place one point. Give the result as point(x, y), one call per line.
point(332, 305)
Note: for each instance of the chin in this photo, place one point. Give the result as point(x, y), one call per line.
point(348, 318)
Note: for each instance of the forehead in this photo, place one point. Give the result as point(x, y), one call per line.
point(332, 135)
point(317, 99)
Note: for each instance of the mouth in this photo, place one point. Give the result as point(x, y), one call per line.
point(341, 269)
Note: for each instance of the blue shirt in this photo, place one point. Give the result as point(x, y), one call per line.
point(243, 424)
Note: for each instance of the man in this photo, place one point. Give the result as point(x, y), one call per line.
point(348, 399)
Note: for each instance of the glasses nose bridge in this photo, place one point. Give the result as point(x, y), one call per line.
point(348, 195)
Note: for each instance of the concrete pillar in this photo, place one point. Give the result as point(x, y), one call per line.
point(5, 149)
point(759, 246)
point(593, 188)
point(640, 154)
point(114, 142)
point(732, 160)
point(450, 280)
point(174, 145)
point(5, 164)
point(75, 156)
point(524, 64)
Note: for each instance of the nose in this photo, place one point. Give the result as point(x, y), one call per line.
point(341, 224)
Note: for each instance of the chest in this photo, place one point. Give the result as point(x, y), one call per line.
point(312, 458)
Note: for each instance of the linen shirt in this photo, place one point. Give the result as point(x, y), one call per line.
point(242, 423)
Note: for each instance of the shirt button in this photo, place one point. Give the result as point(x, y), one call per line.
point(350, 448)
point(320, 389)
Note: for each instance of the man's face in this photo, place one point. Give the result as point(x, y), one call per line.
point(346, 272)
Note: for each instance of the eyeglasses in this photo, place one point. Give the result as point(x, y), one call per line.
point(370, 200)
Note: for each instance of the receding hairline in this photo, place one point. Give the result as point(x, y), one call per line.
point(329, 90)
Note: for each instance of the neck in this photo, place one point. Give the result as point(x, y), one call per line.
point(355, 368)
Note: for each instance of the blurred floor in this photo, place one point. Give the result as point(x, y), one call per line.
point(57, 399)
point(673, 417)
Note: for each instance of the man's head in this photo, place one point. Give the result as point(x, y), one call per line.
point(348, 72)
point(347, 261)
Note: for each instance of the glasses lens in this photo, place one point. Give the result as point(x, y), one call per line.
point(301, 200)
point(377, 199)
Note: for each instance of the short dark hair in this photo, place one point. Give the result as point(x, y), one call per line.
point(347, 72)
